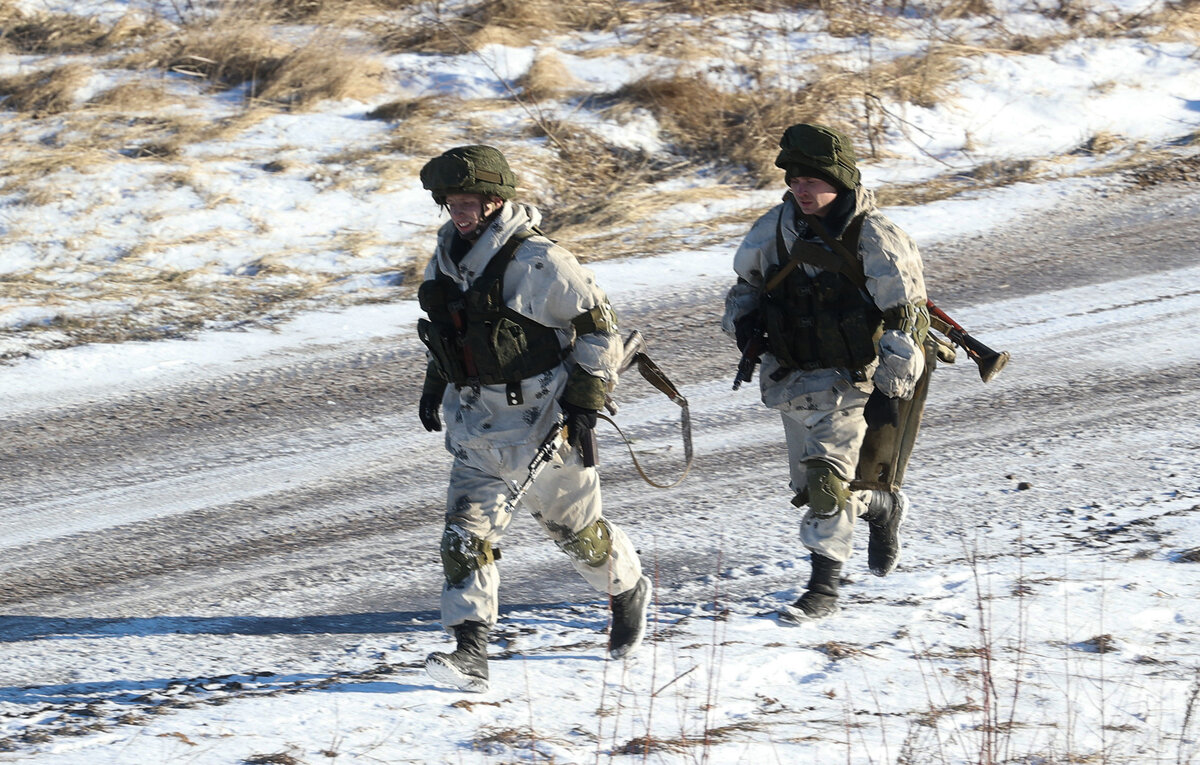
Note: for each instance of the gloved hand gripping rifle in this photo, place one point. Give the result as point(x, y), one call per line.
point(751, 355)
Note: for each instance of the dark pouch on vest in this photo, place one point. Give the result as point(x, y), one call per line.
point(510, 346)
point(443, 348)
point(860, 335)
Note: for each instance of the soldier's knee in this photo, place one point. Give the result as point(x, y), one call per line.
point(828, 492)
point(590, 545)
point(463, 553)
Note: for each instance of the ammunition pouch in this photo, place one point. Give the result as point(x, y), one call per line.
point(820, 322)
point(474, 337)
point(463, 553)
point(601, 319)
point(911, 319)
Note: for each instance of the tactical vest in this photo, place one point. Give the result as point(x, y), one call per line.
point(474, 337)
point(823, 321)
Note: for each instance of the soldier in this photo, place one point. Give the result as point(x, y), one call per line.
point(834, 292)
point(519, 337)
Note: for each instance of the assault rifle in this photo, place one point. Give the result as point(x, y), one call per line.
point(751, 355)
point(989, 362)
point(541, 458)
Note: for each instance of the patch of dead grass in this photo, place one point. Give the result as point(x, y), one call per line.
point(46, 33)
point(232, 52)
point(509, 22)
point(135, 96)
point(712, 125)
point(224, 54)
point(321, 70)
point(44, 92)
point(546, 78)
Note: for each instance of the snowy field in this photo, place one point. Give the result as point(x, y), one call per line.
point(1040, 614)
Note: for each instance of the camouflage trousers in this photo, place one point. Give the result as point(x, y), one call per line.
point(565, 500)
point(828, 427)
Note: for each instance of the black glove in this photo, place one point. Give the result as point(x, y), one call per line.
point(881, 410)
point(745, 328)
point(430, 411)
point(580, 422)
point(581, 430)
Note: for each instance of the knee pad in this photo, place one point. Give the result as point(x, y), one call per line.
point(463, 553)
point(828, 493)
point(591, 544)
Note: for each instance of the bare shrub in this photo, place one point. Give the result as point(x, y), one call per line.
point(45, 92)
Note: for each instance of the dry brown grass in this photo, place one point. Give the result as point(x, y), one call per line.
point(44, 92)
point(319, 71)
point(135, 96)
point(56, 33)
point(224, 54)
point(237, 51)
point(712, 125)
point(422, 124)
point(547, 78)
point(512, 22)
point(923, 79)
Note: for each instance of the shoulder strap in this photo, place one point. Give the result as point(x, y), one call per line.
point(495, 267)
point(851, 265)
point(839, 260)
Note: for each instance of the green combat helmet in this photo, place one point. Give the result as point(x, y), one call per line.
point(469, 170)
point(823, 151)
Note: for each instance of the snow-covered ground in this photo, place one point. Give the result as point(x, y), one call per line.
point(1041, 613)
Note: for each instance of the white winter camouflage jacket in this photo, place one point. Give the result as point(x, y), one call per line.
point(891, 263)
point(545, 283)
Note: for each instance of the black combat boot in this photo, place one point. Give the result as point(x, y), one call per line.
point(466, 668)
point(884, 515)
point(628, 619)
point(820, 596)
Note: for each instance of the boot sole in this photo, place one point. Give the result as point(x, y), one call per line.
point(794, 616)
point(446, 673)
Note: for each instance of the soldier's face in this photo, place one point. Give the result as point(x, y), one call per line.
point(813, 195)
point(469, 211)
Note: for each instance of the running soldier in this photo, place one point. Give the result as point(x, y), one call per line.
point(831, 294)
point(520, 339)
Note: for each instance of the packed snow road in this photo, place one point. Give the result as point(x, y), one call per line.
point(299, 494)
